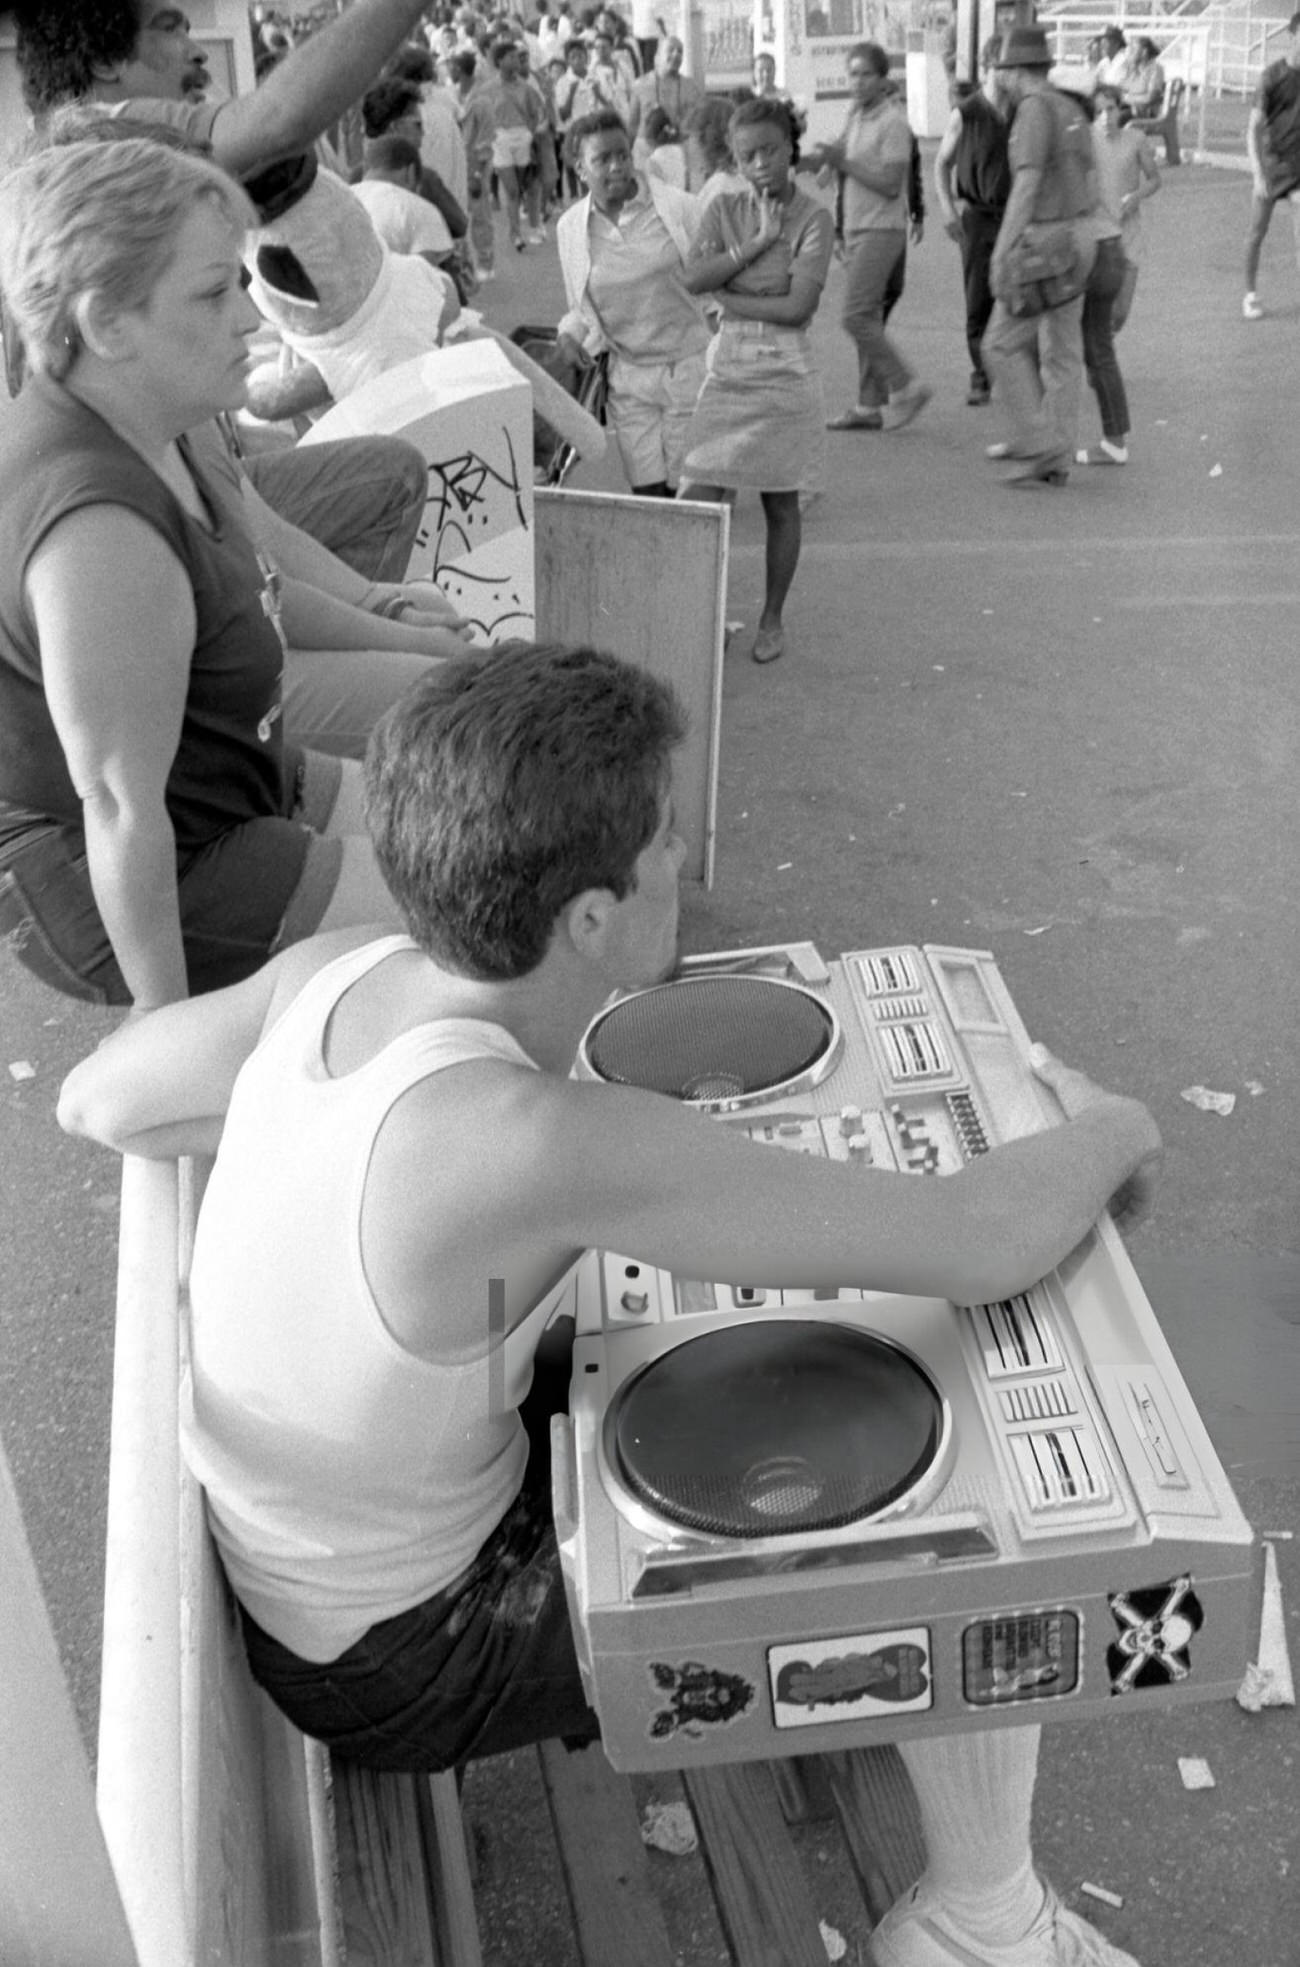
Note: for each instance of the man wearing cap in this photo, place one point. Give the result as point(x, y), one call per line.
point(1036, 360)
point(1273, 145)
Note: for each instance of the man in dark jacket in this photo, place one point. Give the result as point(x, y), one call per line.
point(972, 180)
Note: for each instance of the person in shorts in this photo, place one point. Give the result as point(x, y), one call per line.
point(1273, 146)
point(518, 114)
point(406, 1175)
point(623, 252)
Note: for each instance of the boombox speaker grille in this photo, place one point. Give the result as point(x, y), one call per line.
point(713, 1040)
point(774, 1426)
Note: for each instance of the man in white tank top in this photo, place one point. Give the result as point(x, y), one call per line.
point(405, 1173)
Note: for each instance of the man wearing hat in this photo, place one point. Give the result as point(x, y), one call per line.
point(1036, 360)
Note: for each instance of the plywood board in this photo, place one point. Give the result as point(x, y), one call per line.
point(647, 580)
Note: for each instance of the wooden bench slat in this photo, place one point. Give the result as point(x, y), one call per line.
point(383, 1887)
point(447, 1856)
point(880, 1821)
point(758, 1882)
point(606, 1867)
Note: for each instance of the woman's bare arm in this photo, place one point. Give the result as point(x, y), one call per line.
point(115, 617)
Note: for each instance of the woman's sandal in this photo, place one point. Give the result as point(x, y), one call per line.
point(769, 643)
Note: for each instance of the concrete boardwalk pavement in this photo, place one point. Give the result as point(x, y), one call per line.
point(1061, 725)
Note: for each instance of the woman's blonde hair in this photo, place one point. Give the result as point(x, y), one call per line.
point(99, 219)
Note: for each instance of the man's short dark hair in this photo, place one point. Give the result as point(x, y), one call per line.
point(500, 49)
point(387, 103)
point(496, 792)
point(595, 125)
point(464, 63)
point(413, 64)
point(60, 47)
point(872, 54)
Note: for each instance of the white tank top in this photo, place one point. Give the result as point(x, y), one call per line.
point(347, 1479)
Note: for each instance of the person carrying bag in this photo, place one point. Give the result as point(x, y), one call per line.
point(1041, 261)
point(1049, 263)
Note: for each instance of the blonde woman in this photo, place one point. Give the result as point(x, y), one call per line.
point(158, 834)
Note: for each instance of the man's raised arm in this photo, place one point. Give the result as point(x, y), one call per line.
point(312, 87)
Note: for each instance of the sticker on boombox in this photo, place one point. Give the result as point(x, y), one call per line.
point(1022, 1656)
point(1156, 1629)
point(699, 1698)
point(851, 1679)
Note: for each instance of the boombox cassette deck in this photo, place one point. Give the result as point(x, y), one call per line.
point(801, 1520)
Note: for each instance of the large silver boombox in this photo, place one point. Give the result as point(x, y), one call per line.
point(793, 1520)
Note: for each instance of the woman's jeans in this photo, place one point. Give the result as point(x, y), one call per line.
point(1105, 284)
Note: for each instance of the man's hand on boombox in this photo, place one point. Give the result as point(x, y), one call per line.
point(1077, 1094)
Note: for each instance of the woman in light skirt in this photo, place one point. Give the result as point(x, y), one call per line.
point(761, 256)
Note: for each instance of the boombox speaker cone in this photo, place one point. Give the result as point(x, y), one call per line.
point(714, 1040)
point(775, 1425)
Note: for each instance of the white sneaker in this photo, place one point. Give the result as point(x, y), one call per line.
point(917, 1932)
point(1252, 308)
point(909, 403)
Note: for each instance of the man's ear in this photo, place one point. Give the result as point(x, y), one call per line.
point(586, 921)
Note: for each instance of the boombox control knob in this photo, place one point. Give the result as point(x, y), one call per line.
point(635, 1301)
point(850, 1121)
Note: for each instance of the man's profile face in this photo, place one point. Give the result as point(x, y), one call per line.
point(648, 916)
point(167, 61)
point(867, 84)
point(673, 52)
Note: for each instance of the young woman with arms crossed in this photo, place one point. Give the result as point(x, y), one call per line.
point(761, 257)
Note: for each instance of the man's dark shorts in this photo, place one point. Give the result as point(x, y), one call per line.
point(487, 1664)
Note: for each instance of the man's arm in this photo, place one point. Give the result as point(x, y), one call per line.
point(886, 181)
point(945, 159)
point(886, 178)
point(577, 1166)
point(160, 1085)
point(320, 79)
